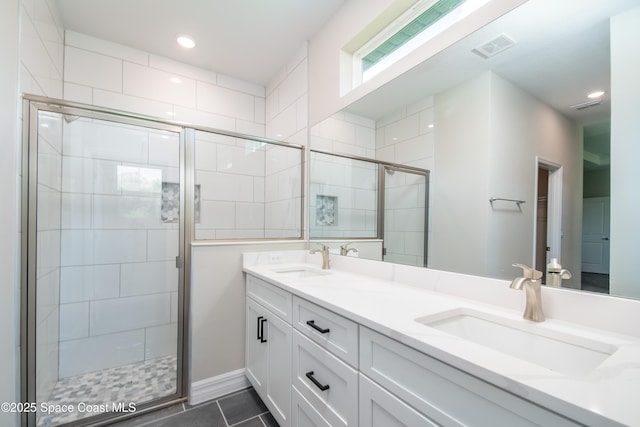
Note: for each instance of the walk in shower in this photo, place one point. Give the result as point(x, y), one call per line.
point(111, 204)
point(104, 245)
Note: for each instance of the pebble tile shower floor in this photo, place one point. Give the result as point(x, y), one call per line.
point(137, 382)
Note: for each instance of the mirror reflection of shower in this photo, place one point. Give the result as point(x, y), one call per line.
point(381, 205)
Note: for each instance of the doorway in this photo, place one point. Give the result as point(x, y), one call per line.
point(595, 244)
point(548, 214)
point(102, 285)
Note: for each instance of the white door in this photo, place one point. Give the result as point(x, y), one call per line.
point(595, 235)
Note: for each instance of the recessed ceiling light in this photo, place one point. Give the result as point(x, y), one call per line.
point(596, 94)
point(186, 42)
point(175, 80)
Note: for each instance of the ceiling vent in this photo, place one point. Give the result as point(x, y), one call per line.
point(494, 46)
point(586, 105)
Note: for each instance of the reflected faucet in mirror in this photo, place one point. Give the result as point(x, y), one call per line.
point(326, 261)
point(531, 284)
point(345, 249)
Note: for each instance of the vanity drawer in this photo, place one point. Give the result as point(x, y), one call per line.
point(275, 299)
point(303, 414)
point(326, 382)
point(378, 407)
point(327, 329)
point(443, 393)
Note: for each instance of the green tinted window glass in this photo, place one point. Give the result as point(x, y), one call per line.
point(409, 31)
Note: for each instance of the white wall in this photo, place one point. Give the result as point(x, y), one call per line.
point(521, 129)
point(460, 178)
point(218, 306)
point(325, 54)
point(9, 242)
point(625, 152)
point(488, 133)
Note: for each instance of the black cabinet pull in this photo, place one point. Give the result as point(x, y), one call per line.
point(262, 322)
point(259, 337)
point(315, 381)
point(312, 323)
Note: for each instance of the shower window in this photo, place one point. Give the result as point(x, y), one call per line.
point(246, 189)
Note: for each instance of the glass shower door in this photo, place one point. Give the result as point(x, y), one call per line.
point(104, 277)
point(405, 216)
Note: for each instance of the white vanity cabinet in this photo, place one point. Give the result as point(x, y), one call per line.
point(444, 394)
point(268, 346)
point(315, 368)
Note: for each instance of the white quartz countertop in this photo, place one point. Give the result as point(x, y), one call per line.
point(606, 395)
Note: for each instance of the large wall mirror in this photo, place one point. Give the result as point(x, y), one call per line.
point(519, 154)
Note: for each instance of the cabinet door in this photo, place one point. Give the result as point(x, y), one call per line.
point(268, 359)
point(277, 334)
point(256, 351)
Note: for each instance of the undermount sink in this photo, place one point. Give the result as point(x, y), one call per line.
point(299, 272)
point(561, 352)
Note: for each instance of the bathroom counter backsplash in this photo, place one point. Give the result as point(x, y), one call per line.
point(388, 298)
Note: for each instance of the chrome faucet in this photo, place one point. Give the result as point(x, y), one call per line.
point(531, 283)
point(344, 249)
point(325, 256)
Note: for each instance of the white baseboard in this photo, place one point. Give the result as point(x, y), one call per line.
point(214, 387)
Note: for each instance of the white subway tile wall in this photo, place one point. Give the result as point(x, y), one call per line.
point(286, 106)
point(346, 133)
point(404, 228)
point(118, 281)
point(351, 186)
point(41, 49)
point(249, 189)
point(114, 76)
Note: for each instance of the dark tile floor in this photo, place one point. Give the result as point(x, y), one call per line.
point(595, 282)
point(240, 409)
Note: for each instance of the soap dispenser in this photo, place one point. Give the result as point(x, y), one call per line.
point(555, 273)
